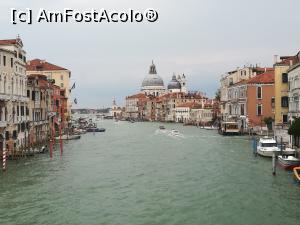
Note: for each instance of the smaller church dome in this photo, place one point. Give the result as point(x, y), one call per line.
point(174, 83)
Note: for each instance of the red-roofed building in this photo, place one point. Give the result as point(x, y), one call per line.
point(260, 99)
point(59, 74)
point(250, 101)
point(134, 109)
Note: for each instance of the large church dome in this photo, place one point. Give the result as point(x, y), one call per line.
point(152, 78)
point(174, 83)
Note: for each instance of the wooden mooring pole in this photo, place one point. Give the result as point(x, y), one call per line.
point(254, 146)
point(4, 159)
point(274, 164)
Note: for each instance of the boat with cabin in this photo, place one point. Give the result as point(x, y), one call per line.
point(267, 146)
point(229, 128)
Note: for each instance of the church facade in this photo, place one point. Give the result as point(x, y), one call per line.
point(153, 84)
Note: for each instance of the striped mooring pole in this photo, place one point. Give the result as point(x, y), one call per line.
point(4, 160)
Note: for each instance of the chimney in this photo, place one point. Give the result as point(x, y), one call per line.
point(265, 69)
point(275, 59)
point(291, 62)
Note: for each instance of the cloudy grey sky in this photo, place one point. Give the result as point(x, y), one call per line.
point(202, 38)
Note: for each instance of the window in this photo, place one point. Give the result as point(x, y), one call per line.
point(284, 77)
point(61, 85)
point(258, 92)
point(284, 118)
point(33, 96)
point(28, 93)
point(273, 102)
point(4, 60)
point(259, 110)
point(11, 62)
point(242, 109)
point(62, 77)
point(284, 101)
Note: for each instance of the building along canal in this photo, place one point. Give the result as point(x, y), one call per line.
point(135, 174)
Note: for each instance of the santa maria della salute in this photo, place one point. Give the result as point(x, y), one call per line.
point(153, 84)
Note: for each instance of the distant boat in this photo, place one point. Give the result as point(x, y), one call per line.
point(175, 132)
point(288, 162)
point(267, 146)
point(95, 129)
point(210, 128)
point(162, 127)
point(297, 174)
point(68, 137)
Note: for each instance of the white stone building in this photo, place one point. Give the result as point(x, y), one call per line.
point(14, 113)
point(294, 91)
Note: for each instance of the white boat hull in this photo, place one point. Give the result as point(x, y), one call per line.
point(267, 153)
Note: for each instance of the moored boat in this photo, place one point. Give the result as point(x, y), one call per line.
point(95, 129)
point(288, 162)
point(267, 146)
point(229, 128)
point(68, 137)
point(210, 128)
point(297, 174)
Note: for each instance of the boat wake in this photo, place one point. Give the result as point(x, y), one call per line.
point(170, 133)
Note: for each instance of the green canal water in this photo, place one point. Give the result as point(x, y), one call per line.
point(134, 174)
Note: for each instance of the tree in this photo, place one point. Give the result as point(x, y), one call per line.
point(218, 95)
point(294, 129)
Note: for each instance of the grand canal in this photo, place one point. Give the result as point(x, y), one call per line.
point(134, 174)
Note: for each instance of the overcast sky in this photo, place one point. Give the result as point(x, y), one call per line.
point(201, 38)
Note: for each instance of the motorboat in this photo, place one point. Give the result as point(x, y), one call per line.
point(95, 129)
point(68, 137)
point(297, 173)
point(162, 127)
point(288, 162)
point(175, 132)
point(210, 128)
point(267, 146)
point(288, 151)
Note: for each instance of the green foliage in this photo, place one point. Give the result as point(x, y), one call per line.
point(294, 129)
point(218, 95)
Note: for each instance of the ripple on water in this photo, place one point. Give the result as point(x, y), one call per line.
point(137, 174)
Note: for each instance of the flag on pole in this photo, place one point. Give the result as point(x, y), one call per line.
point(75, 101)
point(73, 86)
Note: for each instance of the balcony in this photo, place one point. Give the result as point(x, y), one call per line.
point(3, 124)
point(4, 97)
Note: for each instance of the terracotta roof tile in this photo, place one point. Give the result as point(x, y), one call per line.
point(191, 105)
point(41, 65)
point(139, 95)
point(264, 78)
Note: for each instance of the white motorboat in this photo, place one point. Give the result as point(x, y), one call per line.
point(267, 146)
point(68, 137)
point(210, 128)
point(175, 132)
